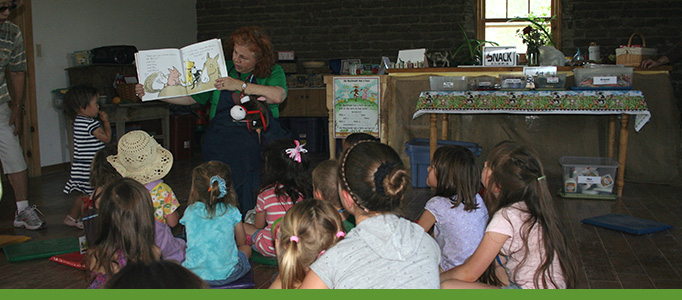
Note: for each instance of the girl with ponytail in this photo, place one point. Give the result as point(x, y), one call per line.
point(216, 242)
point(307, 230)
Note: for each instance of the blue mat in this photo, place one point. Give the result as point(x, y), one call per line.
point(627, 224)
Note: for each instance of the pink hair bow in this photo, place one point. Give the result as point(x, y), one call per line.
point(295, 153)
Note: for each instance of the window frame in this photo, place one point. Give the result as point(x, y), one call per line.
point(555, 24)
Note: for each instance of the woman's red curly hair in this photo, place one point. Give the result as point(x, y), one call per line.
point(259, 43)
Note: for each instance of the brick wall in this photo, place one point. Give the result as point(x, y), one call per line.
point(369, 29)
point(323, 30)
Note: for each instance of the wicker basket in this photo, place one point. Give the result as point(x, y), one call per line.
point(127, 92)
point(633, 56)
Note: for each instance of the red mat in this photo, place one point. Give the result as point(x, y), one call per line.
point(73, 259)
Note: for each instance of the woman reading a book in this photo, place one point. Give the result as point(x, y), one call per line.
point(253, 72)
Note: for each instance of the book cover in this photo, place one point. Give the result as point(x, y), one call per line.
point(193, 69)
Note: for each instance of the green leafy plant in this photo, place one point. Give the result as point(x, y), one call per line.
point(469, 50)
point(536, 34)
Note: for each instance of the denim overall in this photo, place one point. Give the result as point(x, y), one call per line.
point(231, 142)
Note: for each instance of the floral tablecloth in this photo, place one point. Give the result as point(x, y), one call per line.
point(583, 102)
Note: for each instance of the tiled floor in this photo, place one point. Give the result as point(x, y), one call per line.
point(607, 259)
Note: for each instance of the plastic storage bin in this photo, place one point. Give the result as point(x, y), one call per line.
point(418, 151)
point(550, 81)
point(514, 82)
point(482, 83)
point(604, 77)
point(448, 83)
point(588, 177)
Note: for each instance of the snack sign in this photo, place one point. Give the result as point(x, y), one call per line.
point(499, 56)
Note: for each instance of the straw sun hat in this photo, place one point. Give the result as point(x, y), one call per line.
point(141, 158)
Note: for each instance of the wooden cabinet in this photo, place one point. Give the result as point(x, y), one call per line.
point(304, 102)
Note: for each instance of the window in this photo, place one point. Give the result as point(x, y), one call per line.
point(493, 20)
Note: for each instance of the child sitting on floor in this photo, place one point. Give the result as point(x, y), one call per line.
point(384, 250)
point(101, 174)
point(325, 188)
point(285, 181)
point(216, 241)
point(456, 212)
point(308, 229)
point(524, 237)
point(127, 231)
point(89, 135)
point(141, 158)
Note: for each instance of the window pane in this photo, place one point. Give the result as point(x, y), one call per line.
point(495, 9)
point(541, 8)
point(518, 8)
point(505, 35)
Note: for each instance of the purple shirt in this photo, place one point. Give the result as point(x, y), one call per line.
point(171, 248)
point(457, 232)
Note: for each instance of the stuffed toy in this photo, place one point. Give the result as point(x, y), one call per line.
point(253, 112)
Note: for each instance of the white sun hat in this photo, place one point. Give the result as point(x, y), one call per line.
point(141, 158)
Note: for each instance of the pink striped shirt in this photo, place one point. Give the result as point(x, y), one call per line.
point(274, 209)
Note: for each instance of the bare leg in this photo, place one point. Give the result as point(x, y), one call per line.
point(249, 229)
point(77, 206)
point(19, 182)
point(246, 249)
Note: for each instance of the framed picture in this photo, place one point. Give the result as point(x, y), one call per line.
point(345, 65)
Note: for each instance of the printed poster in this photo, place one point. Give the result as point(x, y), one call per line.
point(356, 106)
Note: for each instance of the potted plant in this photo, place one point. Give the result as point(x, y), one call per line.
point(534, 35)
point(469, 50)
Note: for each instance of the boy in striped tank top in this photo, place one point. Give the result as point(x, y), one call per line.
point(89, 135)
point(285, 181)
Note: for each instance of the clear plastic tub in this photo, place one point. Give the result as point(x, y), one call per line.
point(550, 81)
point(482, 83)
point(603, 76)
point(448, 83)
point(516, 82)
point(588, 175)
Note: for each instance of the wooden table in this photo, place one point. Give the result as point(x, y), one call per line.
point(583, 102)
point(120, 114)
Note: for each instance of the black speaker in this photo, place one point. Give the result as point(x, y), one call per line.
point(114, 54)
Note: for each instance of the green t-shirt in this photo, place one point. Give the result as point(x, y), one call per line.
point(276, 78)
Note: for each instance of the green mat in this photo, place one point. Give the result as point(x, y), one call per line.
point(40, 249)
point(259, 258)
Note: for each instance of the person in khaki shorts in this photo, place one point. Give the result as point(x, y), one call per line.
point(13, 58)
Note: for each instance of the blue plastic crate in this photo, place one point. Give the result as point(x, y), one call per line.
point(418, 151)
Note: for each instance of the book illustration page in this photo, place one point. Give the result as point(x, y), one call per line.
point(159, 72)
point(204, 63)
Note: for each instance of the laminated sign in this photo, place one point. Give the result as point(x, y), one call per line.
point(499, 56)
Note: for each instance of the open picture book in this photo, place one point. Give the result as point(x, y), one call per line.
point(193, 69)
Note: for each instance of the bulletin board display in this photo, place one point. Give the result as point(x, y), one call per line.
point(356, 105)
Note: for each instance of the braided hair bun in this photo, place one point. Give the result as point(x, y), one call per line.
point(374, 176)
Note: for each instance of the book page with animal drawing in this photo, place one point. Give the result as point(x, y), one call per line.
point(204, 63)
point(160, 71)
